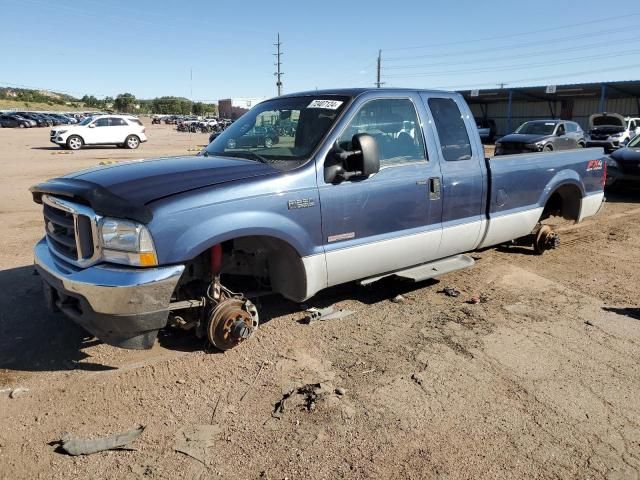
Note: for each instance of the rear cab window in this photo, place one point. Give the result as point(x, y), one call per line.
point(451, 129)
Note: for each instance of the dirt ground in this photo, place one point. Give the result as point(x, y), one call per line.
point(540, 380)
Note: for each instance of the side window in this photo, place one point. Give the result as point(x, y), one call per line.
point(118, 122)
point(102, 122)
point(395, 126)
point(571, 127)
point(452, 132)
point(632, 125)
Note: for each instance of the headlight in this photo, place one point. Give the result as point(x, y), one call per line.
point(127, 242)
point(61, 132)
point(617, 135)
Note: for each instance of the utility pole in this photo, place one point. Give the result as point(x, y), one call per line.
point(278, 64)
point(378, 82)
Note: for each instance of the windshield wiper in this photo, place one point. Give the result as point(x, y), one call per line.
point(247, 155)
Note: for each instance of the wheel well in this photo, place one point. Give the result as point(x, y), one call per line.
point(255, 264)
point(564, 202)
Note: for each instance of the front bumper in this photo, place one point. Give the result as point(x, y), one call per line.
point(122, 306)
point(606, 144)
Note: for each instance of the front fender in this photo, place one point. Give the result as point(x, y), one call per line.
point(563, 177)
point(199, 237)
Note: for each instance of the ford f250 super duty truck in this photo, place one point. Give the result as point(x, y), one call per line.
point(372, 183)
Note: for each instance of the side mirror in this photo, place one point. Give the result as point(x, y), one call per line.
point(92, 125)
point(363, 161)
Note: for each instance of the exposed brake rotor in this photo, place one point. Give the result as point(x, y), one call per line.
point(231, 322)
point(546, 239)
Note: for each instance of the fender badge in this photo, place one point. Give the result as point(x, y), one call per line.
point(342, 236)
point(301, 203)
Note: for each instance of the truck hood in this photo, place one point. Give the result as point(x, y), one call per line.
point(126, 189)
point(601, 120)
point(144, 181)
point(630, 155)
point(523, 138)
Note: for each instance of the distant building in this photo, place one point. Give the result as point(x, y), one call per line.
point(235, 107)
point(510, 107)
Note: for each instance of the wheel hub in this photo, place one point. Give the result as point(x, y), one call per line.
point(231, 322)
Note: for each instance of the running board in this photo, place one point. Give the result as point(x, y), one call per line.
point(427, 270)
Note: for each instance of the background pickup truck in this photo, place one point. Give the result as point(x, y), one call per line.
point(372, 183)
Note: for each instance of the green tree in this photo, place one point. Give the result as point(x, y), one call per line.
point(125, 102)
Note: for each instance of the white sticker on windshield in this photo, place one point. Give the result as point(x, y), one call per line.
point(328, 104)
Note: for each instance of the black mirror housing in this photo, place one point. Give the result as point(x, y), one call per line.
point(368, 159)
point(362, 161)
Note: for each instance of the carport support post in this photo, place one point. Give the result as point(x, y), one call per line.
point(509, 112)
point(603, 96)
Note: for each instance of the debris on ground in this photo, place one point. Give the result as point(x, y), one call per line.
point(399, 299)
point(194, 440)
point(321, 314)
point(281, 405)
point(81, 446)
point(587, 322)
point(15, 392)
point(450, 292)
point(310, 394)
point(475, 299)
point(340, 391)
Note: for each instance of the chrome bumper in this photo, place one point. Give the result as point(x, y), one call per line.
point(122, 306)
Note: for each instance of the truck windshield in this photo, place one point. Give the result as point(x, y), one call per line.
point(536, 128)
point(282, 132)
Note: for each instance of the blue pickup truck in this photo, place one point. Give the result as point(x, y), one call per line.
point(372, 183)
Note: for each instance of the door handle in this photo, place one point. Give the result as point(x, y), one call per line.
point(434, 188)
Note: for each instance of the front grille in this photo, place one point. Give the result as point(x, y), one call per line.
point(513, 147)
point(52, 133)
point(70, 233)
point(600, 137)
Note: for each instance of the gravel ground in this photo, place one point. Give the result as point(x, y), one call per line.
point(539, 380)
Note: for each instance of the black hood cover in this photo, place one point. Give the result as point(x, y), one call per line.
point(124, 190)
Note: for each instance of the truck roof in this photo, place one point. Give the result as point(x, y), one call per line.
point(354, 92)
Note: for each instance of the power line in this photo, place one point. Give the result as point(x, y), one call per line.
point(538, 79)
point(511, 35)
point(510, 47)
point(491, 59)
point(511, 66)
point(278, 64)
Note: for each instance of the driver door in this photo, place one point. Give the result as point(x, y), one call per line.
point(389, 220)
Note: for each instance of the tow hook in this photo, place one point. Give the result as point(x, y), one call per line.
point(545, 239)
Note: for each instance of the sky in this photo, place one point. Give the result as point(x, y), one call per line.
point(208, 50)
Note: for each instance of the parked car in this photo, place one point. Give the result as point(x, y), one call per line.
point(11, 120)
point(542, 136)
point(122, 130)
point(132, 247)
point(623, 165)
point(611, 130)
point(257, 136)
point(486, 129)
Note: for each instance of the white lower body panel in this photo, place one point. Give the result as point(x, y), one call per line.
point(376, 258)
point(590, 205)
point(511, 226)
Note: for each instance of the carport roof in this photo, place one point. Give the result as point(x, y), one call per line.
point(622, 89)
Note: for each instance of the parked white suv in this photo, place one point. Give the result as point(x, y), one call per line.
point(611, 130)
point(121, 130)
